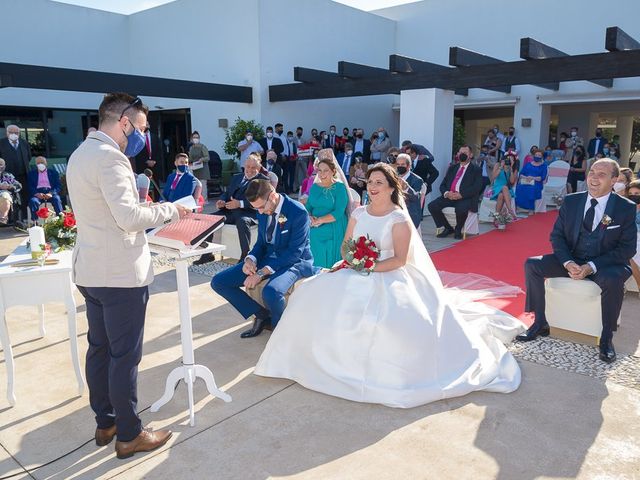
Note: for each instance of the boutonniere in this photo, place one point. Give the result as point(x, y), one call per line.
point(282, 220)
point(606, 220)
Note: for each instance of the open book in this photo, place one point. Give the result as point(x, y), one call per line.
point(188, 232)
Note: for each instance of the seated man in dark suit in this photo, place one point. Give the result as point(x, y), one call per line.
point(235, 207)
point(460, 189)
point(594, 237)
point(413, 196)
point(44, 186)
point(180, 183)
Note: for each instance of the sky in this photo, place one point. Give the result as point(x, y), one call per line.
point(132, 6)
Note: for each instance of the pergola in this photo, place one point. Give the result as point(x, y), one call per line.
point(427, 90)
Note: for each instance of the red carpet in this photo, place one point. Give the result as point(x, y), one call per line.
point(500, 255)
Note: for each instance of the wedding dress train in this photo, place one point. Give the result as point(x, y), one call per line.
point(398, 338)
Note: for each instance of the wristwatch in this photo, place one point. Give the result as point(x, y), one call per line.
point(261, 273)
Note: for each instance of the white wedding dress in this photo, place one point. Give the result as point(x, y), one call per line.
point(397, 338)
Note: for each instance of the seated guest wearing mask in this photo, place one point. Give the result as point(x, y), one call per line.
point(460, 189)
point(235, 207)
point(272, 166)
point(362, 145)
point(44, 186)
point(345, 159)
point(358, 175)
point(624, 179)
point(9, 186)
point(180, 183)
point(412, 189)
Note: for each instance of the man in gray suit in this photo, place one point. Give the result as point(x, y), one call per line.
point(413, 192)
point(112, 268)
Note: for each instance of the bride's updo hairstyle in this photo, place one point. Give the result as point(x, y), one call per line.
point(391, 175)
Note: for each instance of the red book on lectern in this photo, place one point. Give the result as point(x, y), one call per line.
point(188, 232)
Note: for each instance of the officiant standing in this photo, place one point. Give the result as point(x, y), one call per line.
point(112, 268)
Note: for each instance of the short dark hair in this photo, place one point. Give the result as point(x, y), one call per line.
point(406, 143)
point(115, 105)
point(299, 128)
point(195, 132)
point(269, 128)
point(278, 125)
point(413, 149)
point(289, 132)
point(258, 189)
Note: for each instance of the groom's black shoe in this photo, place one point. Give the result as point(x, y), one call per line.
point(607, 352)
point(445, 233)
point(262, 320)
point(534, 332)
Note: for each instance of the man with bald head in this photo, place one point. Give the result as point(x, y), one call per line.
point(17, 155)
point(593, 238)
point(44, 186)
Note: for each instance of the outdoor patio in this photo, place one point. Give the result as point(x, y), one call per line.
point(559, 424)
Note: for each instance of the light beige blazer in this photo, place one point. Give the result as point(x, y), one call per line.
point(111, 249)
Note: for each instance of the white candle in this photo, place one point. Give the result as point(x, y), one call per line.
point(36, 238)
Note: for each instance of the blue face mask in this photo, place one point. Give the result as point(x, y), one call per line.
point(135, 143)
point(182, 168)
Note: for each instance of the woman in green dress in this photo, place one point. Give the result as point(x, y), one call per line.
point(327, 207)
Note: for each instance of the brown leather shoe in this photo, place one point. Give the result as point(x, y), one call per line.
point(145, 442)
point(105, 435)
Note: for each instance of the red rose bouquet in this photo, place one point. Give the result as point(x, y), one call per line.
point(59, 230)
point(361, 255)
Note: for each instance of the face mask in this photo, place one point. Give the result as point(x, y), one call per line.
point(195, 141)
point(249, 138)
point(290, 138)
point(463, 157)
point(135, 143)
point(269, 134)
point(537, 159)
point(495, 130)
point(325, 136)
point(41, 167)
point(333, 132)
point(619, 187)
point(279, 132)
point(299, 134)
point(270, 161)
point(635, 199)
point(605, 151)
point(359, 135)
point(349, 152)
point(381, 135)
point(511, 132)
point(598, 134)
point(574, 134)
point(182, 168)
point(13, 137)
point(402, 170)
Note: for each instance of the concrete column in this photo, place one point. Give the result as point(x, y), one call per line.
point(538, 132)
point(426, 118)
point(624, 128)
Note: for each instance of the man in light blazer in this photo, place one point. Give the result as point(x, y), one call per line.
point(112, 268)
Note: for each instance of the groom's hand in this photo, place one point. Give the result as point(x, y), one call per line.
point(252, 281)
point(249, 267)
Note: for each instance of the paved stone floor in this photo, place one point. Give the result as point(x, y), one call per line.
point(571, 417)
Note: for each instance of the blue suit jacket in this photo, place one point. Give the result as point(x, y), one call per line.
point(290, 248)
point(54, 181)
point(186, 186)
point(617, 240)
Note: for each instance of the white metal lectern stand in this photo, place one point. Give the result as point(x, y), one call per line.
point(189, 370)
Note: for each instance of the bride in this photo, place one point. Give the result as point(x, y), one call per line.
point(395, 337)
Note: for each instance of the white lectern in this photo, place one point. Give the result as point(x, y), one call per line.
point(189, 370)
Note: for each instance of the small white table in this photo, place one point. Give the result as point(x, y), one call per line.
point(37, 286)
point(189, 370)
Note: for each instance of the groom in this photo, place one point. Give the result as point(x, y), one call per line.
point(594, 237)
point(280, 257)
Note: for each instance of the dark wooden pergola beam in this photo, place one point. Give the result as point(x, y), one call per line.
point(616, 40)
point(402, 64)
point(593, 66)
point(311, 75)
point(461, 57)
point(531, 49)
point(356, 70)
point(67, 79)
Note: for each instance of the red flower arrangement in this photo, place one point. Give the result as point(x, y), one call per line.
point(59, 230)
point(361, 255)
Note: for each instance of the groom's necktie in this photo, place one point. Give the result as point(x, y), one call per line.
point(588, 217)
point(271, 227)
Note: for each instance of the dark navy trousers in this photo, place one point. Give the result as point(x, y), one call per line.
point(116, 325)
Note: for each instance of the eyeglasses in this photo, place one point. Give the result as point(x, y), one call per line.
point(136, 101)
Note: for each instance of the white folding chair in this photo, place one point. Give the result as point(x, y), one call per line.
point(556, 181)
